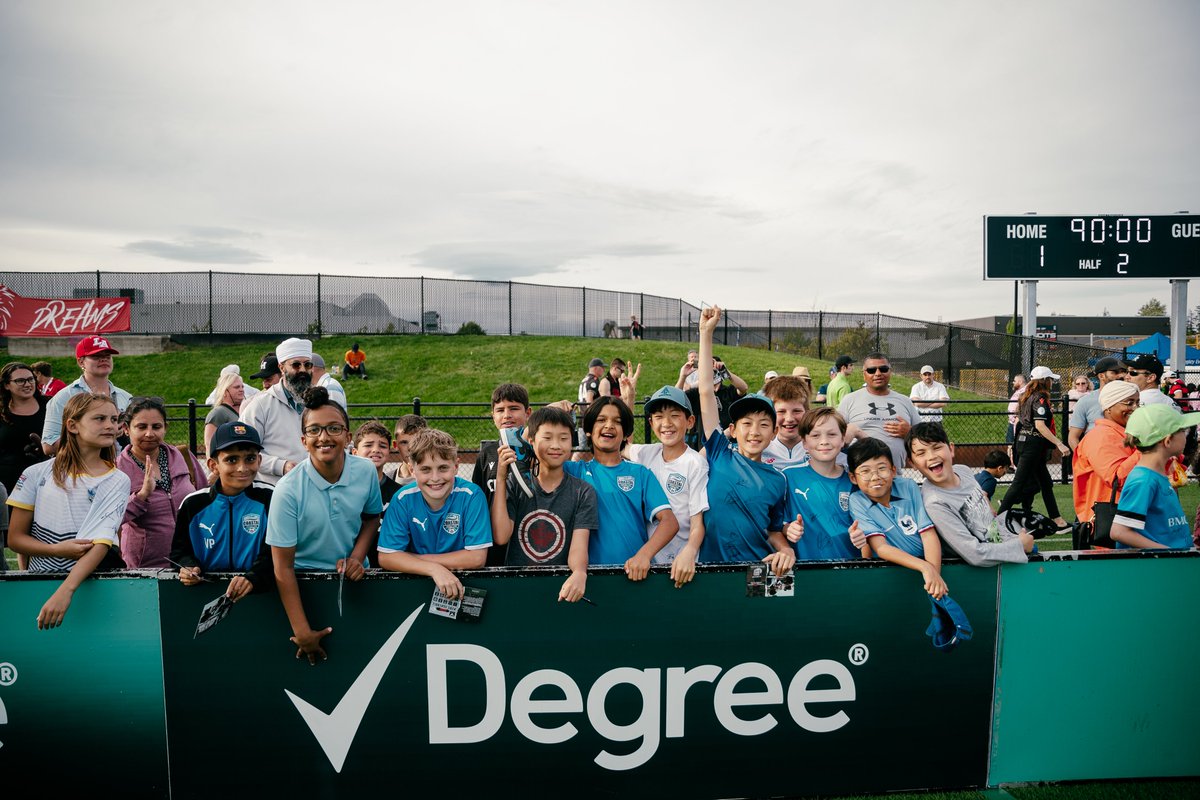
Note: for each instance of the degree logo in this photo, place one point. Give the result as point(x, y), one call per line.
point(3, 717)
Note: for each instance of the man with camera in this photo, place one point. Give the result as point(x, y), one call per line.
point(728, 387)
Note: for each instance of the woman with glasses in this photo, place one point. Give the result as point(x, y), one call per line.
point(324, 514)
point(1031, 450)
point(1103, 457)
point(160, 477)
point(22, 415)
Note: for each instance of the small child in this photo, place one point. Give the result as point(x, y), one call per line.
point(628, 496)
point(439, 524)
point(996, 465)
point(957, 504)
point(1149, 513)
point(406, 428)
point(747, 498)
point(223, 528)
point(790, 394)
point(371, 441)
point(552, 527)
point(889, 511)
point(819, 493)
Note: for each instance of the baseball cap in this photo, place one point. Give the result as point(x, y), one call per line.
point(596, 362)
point(231, 433)
point(268, 367)
point(769, 375)
point(1150, 424)
point(1146, 362)
point(926, 370)
point(318, 361)
point(751, 402)
point(95, 346)
point(949, 624)
point(1038, 373)
point(671, 395)
point(843, 361)
point(1107, 364)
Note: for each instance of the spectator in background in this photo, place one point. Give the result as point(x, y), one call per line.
point(823, 389)
point(995, 465)
point(635, 327)
point(322, 378)
point(22, 417)
point(1145, 371)
point(1087, 408)
point(354, 363)
point(407, 426)
point(1103, 457)
point(589, 387)
point(1034, 440)
point(878, 411)
point(95, 357)
point(48, 385)
point(268, 371)
point(687, 373)
point(610, 384)
point(839, 385)
point(275, 413)
point(929, 396)
point(1014, 405)
point(1080, 385)
point(768, 376)
point(231, 394)
point(727, 387)
point(214, 396)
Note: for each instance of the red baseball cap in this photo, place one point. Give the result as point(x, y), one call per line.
point(95, 346)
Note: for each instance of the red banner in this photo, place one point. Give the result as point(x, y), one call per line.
point(39, 316)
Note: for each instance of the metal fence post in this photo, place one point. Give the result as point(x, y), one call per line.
point(1065, 473)
point(680, 321)
point(583, 317)
point(192, 425)
point(318, 305)
point(769, 342)
point(97, 283)
point(725, 328)
point(821, 335)
point(510, 329)
point(421, 322)
point(949, 378)
point(878, 347)
point(642, 310)
point(417, 406)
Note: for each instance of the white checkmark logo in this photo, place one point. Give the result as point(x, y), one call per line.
point(335, 731)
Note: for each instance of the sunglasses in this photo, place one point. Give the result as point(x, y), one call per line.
point(300, 364)
point(872, 370)
point(1136, 372)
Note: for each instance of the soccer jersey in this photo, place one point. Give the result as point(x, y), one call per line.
point(1150, 506)
point(224, 533)
point(628, 497)
point(322, 519)
point(462, 523)
point(89, 508)
point(780, 456)
point(824, 505)
point(685, 481)
point(746, 499)
point(902, 522)
point(543, 525)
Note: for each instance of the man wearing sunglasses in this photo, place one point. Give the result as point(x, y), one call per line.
point(1087, 409)
point(275, 413)
point(1145, 372)
point(877, 411)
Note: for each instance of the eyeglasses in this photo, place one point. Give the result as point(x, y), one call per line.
point(864, 472)
point(1132, 402)
point(30, 381)
point(1083, 383)
point(872, 370)
point(333, 429)
point(300, 364)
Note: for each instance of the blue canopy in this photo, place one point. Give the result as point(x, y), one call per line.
point(1160, 346)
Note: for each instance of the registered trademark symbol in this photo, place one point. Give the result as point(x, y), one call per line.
point(8, 674)
point(859, 654)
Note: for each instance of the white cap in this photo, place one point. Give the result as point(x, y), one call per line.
point(1037, 373)
point(770, 374)
point(926, 368)
point(293, 348)
point(231, 369)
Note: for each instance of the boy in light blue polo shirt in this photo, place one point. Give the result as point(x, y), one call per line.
point(628, 496)
point(438, 523)
point(891, 515)
point(1149, 513)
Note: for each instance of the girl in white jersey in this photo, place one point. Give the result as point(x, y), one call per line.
point(65, 512)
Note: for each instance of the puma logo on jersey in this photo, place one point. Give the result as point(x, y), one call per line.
point(208, 528)
point(420, 522)
point(803, 492)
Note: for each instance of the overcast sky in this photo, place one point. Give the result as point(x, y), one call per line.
point(787, 155)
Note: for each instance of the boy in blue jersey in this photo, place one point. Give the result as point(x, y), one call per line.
point(222, 528)
point(628, 496)
point(440, 522)
point(1149, 513)
point(890, 512)
point(819, 493)
point(746, 497)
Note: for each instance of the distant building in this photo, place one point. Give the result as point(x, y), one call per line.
point(1108, 332)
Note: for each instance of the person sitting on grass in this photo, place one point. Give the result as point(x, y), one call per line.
point(354, 363)
point(958, 506)
point(996, 465)
point(552, 527)
point(223, 528)
point(889, 510)
point(438, 524)
point(819, 494)
point(746, 497)
point(629, 498)
point(1149, 513)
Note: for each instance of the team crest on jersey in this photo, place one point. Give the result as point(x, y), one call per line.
point(625, 483)
point(251, 523)
point(452, 523)
point(907, 524)
point(675, 483)
point(844, 501)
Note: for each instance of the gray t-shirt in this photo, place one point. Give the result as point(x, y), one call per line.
point(221, 414)
point(1087, 411)
point(964, 519)
point(543, 524)
point(871, 411)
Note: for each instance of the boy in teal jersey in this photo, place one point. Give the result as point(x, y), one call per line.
point(819, 493)
point(1149, 513)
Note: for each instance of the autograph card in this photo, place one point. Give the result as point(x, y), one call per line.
point(213, 613)
point(468, 608)
point(762, 582)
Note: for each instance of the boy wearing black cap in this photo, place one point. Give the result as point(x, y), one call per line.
point(222, 528)
point(1087, 409)
point(747, 498)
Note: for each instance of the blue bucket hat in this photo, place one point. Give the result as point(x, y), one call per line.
point(668, 394)
point(949, 625)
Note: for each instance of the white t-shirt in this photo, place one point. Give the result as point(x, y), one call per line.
point(932, 393)
point(1152, 395)
point(685, 480)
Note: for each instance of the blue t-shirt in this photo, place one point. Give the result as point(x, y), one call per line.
point(987, 482)
point(321, 519)
point(746, 499)
point(628, 498)
point(462, 523)
point(902, 522)
point(1150, 506)
point(824, 504)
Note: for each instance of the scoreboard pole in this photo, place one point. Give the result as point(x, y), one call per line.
point(1179, 318)
point(1029, 325)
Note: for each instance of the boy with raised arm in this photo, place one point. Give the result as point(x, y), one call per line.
point(746, 497)
point(682, 471)
point(440, 522)
point(552, 527)
point(821, 528)
point(889, 510)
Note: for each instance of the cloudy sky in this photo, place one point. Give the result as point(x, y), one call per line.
point(788, 155)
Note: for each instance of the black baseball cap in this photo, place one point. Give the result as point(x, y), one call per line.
point(1147, 363)
point(843, 361)
point(234, 433)
point(1107, 364)
point(268, 367)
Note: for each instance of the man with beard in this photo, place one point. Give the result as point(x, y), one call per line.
point(275, 413)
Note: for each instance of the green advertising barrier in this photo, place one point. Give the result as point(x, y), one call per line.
point(1096, 671)
point(81, 706)
point(697, 692)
